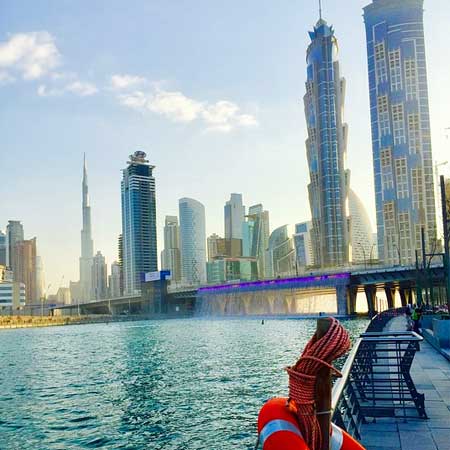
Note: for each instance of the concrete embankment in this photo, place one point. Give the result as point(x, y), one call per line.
point(8, 322)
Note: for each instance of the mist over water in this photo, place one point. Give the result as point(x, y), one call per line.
point(179, 384)
point(264, 302)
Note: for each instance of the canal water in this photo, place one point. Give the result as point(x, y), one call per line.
point(179, 384)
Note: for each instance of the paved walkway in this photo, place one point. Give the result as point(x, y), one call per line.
point(431, 374)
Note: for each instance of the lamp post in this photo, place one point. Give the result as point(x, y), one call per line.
point(446, 223)
point(371, 254)
point(364, 254)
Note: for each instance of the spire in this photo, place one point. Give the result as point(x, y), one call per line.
point(85, 183)
point(320, 9)
point(84, 166)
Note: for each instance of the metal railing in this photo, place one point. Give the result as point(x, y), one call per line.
point(344, 401)
point(376, 380)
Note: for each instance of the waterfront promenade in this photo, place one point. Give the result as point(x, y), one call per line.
point(431, 374)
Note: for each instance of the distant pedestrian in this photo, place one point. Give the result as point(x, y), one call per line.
point(416, 316)
point(409, 310)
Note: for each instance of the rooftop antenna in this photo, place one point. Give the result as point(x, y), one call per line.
point(320, 9)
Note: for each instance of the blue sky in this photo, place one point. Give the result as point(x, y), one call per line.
point(212, 91)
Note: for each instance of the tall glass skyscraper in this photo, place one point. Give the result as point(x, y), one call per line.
point(326, 148)
point(138, 222)
point(234, 216)
point(193, 241)
point(401, 143)
point(255, 237)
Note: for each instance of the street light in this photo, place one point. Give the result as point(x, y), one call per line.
point(371, 253)
point(364, 254)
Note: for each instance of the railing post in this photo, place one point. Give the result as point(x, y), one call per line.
point(323, 390)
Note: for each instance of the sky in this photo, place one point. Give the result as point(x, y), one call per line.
point(210, 90)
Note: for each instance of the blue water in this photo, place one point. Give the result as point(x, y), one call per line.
point(180, 384)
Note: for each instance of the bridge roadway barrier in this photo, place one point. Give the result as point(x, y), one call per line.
point(333, 293)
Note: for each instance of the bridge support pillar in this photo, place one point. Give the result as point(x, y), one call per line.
point(404, 296)
point(341, 300)
point(352, 294)
point(371, 292)
point(390, 296)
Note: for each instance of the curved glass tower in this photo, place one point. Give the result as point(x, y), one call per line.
point(193, 241)
point(401, 142)
point(326, 149)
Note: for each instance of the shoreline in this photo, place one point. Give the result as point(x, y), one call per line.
point(16, 322)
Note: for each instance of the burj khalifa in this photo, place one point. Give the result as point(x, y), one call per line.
point(87, 244)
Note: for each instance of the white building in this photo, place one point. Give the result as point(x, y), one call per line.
point(171, 256)
point(362, 244)
point(234, 215)
point(192, 241)
point(114, 280)
point(99, 271)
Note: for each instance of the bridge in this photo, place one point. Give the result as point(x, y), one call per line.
point(333, 293)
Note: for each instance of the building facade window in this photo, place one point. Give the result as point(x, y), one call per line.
point(380, 63)
point(386, 168)
point(398, 124)
point(401, 175)
point(383, 115)
point(395, 70)
point(411, 79)
point(389, 228)
point(414, 133)
point(405, 234)
point(417, 185)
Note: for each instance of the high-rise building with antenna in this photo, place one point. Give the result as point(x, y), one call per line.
point(87, 244)
point(326, 148)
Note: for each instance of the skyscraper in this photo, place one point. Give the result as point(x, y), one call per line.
point(98, 277)
point(281, 253)
point(114, 280)
point(23, 259)
point(212, 247)
point(87, 244)
point(2, 249)
point(234, 214)
point(401, 143)
point(303, 246)
point(140, 253)
point(40, 278)
point(255, 236)
point(326, 147)
point(361, 236)
point(193, 241)
point(14, 234)
point(171, 256)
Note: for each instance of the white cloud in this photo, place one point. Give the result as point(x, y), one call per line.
point(222, 116)
point(175, 106)
point(80, 88)
point(119, 82)
point(32, 55)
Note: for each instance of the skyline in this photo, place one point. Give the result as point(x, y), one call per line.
point(278, 138)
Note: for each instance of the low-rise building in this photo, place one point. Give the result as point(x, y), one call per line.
point(231, 269)
point(12, 294)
